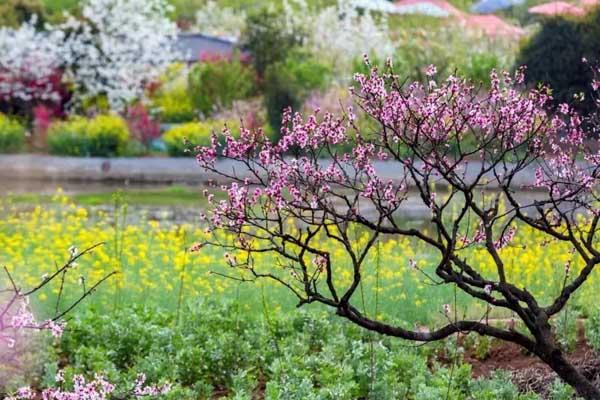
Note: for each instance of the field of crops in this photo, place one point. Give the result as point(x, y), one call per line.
point(169, 306)
point(155, 265)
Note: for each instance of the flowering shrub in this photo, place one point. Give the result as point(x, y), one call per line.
point(142, 126)
point(417, 125)
point(113, 50)
point(102, 136)
point(30, 63)
point(17, 322)
point(12, 135)
point(98, 388)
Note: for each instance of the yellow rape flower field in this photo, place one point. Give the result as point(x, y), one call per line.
point(155, 266)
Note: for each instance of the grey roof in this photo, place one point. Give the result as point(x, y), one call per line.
point(490, 6)
point(192, 45)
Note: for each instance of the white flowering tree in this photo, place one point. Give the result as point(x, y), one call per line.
point(30, 63)
point(215, 20)
point(117, 47)
point(341, 33)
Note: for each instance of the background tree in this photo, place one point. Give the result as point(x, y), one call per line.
point(289, 82)
point(268, 39)
point(298, 206)
point(554, 57)
point(116, 48)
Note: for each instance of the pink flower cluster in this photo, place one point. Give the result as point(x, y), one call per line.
point(443, 125)
point(97, 389)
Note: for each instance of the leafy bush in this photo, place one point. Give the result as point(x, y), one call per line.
point(14, 12)
point(307, 355)
point(268, 39)
point(289, 82)
point(553, 56)
point(186, 136)
point(12, 135)
point(216, 84)
point(451, 49)
point(174, 104)
point(592, 329)
point(102, 136)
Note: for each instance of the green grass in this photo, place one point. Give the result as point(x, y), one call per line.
point(176, 196)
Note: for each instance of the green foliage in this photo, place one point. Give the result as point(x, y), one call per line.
point(267, 39)
point(214, 85)
point(216, 347)
point(174, 104)
point(553, 56)
point(498, 387)
point(14, 12)
point(561, 391)
point(592, 329)
point(12, 135)
point(56, 8)
point(450, 49)
point(565, 328)
point(185, 137)
point(102, 136)
point(289, 82)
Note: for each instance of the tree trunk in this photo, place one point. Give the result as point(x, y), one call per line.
point(568, 373)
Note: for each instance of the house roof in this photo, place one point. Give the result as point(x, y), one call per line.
point(439, 8)
point(492, 25)
point(192, 46)
point(557, 8)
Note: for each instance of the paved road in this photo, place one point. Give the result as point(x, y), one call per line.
point(150, 170)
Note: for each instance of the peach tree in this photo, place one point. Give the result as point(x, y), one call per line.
point(324, 175)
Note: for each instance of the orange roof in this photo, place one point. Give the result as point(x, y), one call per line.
point(557, 8)
point(492, 25)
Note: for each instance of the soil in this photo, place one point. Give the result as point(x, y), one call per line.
point(528, 372)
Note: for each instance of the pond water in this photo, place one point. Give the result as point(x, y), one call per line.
point(411, 209)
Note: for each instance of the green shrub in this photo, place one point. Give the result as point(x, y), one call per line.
point(289, 82)
point(12, 135)
point(592, 329)
point(304, 355)
point(267, 38)
point(214, 85)
point(14, 12)
point(102, 136)
point(185, 137)
point(174, 104)
point(451, 49)
point(553, 56)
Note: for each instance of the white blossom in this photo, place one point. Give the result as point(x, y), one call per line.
point(216, 20)
point(117, 47)
point(28, 60)
point(341, 33)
